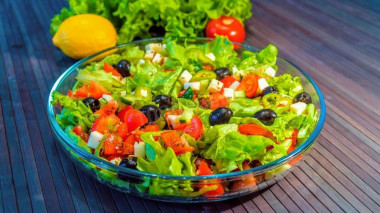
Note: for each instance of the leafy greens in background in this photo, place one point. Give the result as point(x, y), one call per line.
point(135, 18)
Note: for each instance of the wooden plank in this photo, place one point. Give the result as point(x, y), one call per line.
point(121, 201)
point(370, 202)
point(273, 201)
point(306, 193)
point(347, 172)
point(90, 192)
point(8, 194)
point(105, 197)
point(317, 191)
point(295, 196)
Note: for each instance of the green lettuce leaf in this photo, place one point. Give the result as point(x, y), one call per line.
point(287, 85)
point(73, 112)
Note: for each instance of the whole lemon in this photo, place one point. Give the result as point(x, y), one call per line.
point(82, 35)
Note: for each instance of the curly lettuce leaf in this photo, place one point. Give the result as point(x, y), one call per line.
point(266, 57)
point(287, 85)
point(74, 112)
point(229, 149)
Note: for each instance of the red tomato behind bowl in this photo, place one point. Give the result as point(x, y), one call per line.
point(226, 26)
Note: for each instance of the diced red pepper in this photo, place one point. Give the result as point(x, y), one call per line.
point(208, 67)
point(294, 141)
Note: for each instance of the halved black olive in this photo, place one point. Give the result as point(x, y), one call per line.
point(222, 72)
point(124, 67)
point(93, 103)
point(152, 112)
point(164, 101)
point(303, 97)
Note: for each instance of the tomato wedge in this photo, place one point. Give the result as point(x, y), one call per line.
point(217, 100)
point(121, 113)
point(82, 134)
point(134, 119)
point(94, 90)
point(194, 129)
point(113, 145)
point(228, 81)
point(294, 141)
point(177, 143)
point(254, 129)
point(108, 68)
point(246, 182)
point(249, 84)
point(204, 169)
point(109, 109)
point(122, 131)
point(105, 124)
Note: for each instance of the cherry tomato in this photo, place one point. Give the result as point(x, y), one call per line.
point(204, 169)
point(249, 84)
point(122, 112)
point(194, 129)
point(134, 119)
point(226, 26)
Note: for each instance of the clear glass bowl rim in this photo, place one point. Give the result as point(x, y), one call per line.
point(88, 157)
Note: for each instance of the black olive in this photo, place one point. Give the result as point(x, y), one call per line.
point(266, 116)
point(124, 67)
point(222, 72)
point(163, 101)
point(152, 112)
point(270, 89)
point(93, 103)
point(303, 97)
point(157, 31)
point(220, 115)
point(129, 163)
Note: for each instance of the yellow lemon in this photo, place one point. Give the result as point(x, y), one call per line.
point(82, 35)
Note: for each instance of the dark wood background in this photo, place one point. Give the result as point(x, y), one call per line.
point(337, 42)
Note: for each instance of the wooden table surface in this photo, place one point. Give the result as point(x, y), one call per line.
point(337, 42)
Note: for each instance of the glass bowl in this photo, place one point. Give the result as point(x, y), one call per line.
point(176, 188)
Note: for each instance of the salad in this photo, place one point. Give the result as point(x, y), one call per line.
point(187, 110)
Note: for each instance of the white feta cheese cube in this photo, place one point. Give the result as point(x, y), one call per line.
point(270, 72)
point(297, 89)
point(123, 80)
point(94, 139)
point(158, 58)
point(236, 73)
point(235, 85)
point(156, 47)
point(141, 61)
point(174, 120)
point(149, 54)
point(116, 161)
point(298, 107)
point(229, 93)
point(185, 77)
point(195, 86)
point(107, 98)
point(215, 86)
point(211, 56)
point(144, 93)
point(139, 149)
point(262, 84)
